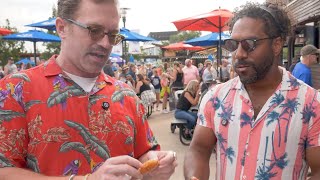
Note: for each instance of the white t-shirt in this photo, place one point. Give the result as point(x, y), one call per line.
point(85, 83)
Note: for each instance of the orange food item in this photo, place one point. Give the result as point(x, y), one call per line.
point(193, 178)
point(148, 166)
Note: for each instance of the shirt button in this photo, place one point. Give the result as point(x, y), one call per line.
point(244, 177)
point(248, 154)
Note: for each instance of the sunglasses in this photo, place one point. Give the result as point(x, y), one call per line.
point(248, 45)
point(97, 33)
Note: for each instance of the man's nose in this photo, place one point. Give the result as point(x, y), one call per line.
point(104, 42)
point(240, 53)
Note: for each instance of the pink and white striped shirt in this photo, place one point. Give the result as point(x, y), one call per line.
point(272, 146)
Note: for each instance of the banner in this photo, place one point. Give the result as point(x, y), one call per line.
point(117, 49)
point(134, 48)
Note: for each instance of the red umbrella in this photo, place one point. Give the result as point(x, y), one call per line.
point(4, 31)
point(181, 46)
point(206, 22)
point(214, 21)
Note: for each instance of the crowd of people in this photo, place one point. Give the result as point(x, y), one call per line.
point(66, 119)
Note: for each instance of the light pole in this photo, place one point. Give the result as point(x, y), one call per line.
point(123, 13)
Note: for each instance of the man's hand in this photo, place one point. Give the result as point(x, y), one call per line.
point(120, 167)
point(167, 164)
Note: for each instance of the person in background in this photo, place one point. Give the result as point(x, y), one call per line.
point(190, 72)
point(1, 72)
point(66, 119)
point(189, 97)
point(295, 60)
point(108, 69)
point(142, 84)
point(124, 72)
point(10, 67)
point(132, 72)
point(264, 124)
point(165, 91)
point(155, 81)
point(302, 71)
point(200, 69)
point(225, 70)
point(149, 70)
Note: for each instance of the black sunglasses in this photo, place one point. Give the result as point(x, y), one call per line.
point(97, 33)
point(248, 45)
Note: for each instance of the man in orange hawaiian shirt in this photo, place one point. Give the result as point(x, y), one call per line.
point(66, 119)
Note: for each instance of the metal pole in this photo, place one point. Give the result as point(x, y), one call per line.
point(124, 42)
point(220, 49)
point(35, 52)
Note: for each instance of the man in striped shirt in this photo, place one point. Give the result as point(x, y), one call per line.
point(265, 123)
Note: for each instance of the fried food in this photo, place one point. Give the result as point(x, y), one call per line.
point(148, 166)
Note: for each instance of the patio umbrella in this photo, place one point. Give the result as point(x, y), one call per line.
point(33, 36)
point(132, 36)
point(25, 61)
point(180, 46)
point(49, 24)
point(208, 40)
point(214, 21)
point(4, 31)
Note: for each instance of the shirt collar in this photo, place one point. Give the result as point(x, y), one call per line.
point(51, 68)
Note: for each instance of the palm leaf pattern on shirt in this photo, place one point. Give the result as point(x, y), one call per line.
point(245, 119)
point(32, 163)
point(290, 107)
point(22, 76)
point(293, 83)
point(121, 93)
point(98, 147)
point(60, 96)
point(4, 162)
point(308, 113)
point(94, 98)
point(277, 99)
point(29, 104)
point(76, 146)
point(8, 115)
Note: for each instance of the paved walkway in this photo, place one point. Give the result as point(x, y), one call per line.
point(160, 124)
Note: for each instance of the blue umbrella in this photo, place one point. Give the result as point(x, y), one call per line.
point(211, 39)
point(132, 36)
point(25, 61)
point(49, 24)
point(33, 36)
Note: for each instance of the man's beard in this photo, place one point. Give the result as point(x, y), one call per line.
point(260, 70)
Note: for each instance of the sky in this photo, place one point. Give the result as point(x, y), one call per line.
point(143, 15)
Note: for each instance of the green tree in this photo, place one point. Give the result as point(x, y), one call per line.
point(184, 36)
point(10, 48)
point(51, 47)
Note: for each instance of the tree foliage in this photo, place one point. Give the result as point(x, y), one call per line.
point(184, 36)
point(51, 47)
point(10, 48)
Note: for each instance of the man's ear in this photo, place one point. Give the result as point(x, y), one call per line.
point(277, 45)
point(61, 27)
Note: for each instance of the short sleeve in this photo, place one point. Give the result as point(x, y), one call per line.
point(205, 110)
point(13, 126)
point(314, 126)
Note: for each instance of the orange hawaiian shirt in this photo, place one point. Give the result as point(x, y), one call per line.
point(50, 125)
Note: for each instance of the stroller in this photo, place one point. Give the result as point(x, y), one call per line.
point(185, 138)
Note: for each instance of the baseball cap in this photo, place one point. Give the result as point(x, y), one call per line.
point(309, 49)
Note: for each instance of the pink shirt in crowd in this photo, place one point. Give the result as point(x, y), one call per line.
point(190, 73)
point(272, 146)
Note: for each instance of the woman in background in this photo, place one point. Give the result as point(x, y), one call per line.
point(189, 97)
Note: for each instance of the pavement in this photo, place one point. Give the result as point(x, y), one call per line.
point(160, 125)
